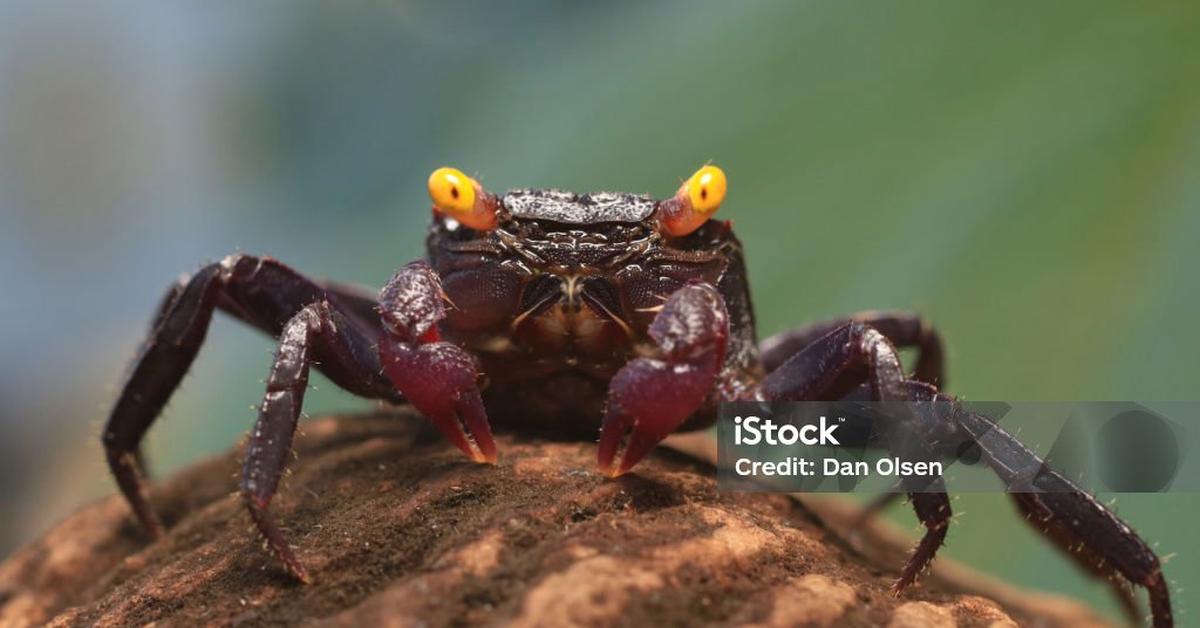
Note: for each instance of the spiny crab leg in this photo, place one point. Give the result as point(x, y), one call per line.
point(651, 396)
point(437, 378)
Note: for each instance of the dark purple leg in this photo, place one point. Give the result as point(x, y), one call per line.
point(317, 330)
point(853, 362)
point(437, 378)
point(651, 396)
point(360, 302)
point(1102, 544)
point(259, 291)
point(933, 510)
point(837, 364)
point(1067, 516)
point(901, 328)
point(1070, 518)
point(1030, 506)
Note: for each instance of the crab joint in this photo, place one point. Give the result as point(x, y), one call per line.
point(457, 196)
point(694, 203)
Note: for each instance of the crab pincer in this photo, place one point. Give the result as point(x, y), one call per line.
point(651, 396)
point(438, 378)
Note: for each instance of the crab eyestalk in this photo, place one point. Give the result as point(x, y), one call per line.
point(457, 196)
point(694, 203)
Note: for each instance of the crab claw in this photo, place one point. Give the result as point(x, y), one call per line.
point(438, 379)
point(648, 400)
point(650, 397)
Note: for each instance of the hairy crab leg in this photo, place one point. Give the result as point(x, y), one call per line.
point(902, 329)
point(438, 378)
point(1043, 520)
point(835, 366)
point(933, 511)
point(1070, 518)
point(650, 397)
point(318, 329)
point(259, 291)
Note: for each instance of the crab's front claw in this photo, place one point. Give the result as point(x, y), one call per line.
point(439, 380)
point(650, 397)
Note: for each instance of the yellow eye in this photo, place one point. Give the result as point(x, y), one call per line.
point(695, 201)
point(453, 192)
point(706, 189)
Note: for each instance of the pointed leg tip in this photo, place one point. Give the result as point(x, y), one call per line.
point(152, 527)
point(298, 572)
point(292, 565)
point(901, 585)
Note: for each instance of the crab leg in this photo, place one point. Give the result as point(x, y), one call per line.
point(902, 329)
point(259, 291)
point(1070, 518)
point(835, 364)
point(318, 329)
point(851, 356)
point(651, 396)
point(437, 378)
point(1038, 516)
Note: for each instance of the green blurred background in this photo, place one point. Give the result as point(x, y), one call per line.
point(1025, 174)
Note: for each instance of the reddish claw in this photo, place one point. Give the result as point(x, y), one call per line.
point(437, 378)
point(650, 397)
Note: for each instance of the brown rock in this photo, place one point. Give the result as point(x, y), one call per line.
point(398, 529)
point(921, 615)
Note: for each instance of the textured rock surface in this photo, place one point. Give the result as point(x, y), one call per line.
point(398, 529)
